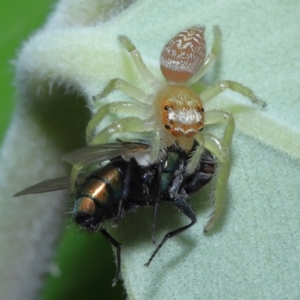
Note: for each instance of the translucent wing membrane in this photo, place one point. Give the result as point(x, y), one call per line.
point(48, 185)
point(96, 154)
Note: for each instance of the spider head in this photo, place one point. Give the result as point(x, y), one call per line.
point(180, 110)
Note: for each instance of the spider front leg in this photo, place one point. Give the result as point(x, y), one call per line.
point(210, 142)
point(222, 152)
point(156, 146)
point(126, 107)
point(212, 91)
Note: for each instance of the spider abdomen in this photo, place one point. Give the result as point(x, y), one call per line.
point(183, 55)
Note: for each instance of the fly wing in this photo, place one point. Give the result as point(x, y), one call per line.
point(48, 185)
point(96, 154)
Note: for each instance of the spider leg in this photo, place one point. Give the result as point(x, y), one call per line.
point(212, 91)
point(128, 124)
point(155, 146)
point(144, 71)
point(223, 154)
point(117, 245)
point(215, 49)
point(126, 107)
point(182, 206)
point(123, 86)
point(73, 178)
point(196, 155)
point(210, 142)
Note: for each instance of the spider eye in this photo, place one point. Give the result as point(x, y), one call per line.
point(166, 107)
point(167, 127)
point(200, 109)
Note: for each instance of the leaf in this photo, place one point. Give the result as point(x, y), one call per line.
point(254, 251)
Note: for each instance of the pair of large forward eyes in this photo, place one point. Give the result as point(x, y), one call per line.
point(199, 109)
point(168, 127)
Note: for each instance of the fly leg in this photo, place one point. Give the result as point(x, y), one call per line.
point(117, 245)
point(182, 206)
point(126, 189)
point(156, 199)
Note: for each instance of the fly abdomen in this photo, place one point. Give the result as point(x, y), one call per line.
point(97, 198)
point(103, 186)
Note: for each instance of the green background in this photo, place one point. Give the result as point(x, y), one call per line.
point(85, 271)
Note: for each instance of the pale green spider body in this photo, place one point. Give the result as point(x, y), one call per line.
point(174, 113)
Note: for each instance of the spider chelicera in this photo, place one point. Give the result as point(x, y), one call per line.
point(174, 113)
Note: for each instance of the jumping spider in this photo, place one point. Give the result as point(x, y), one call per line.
point(174, 113)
